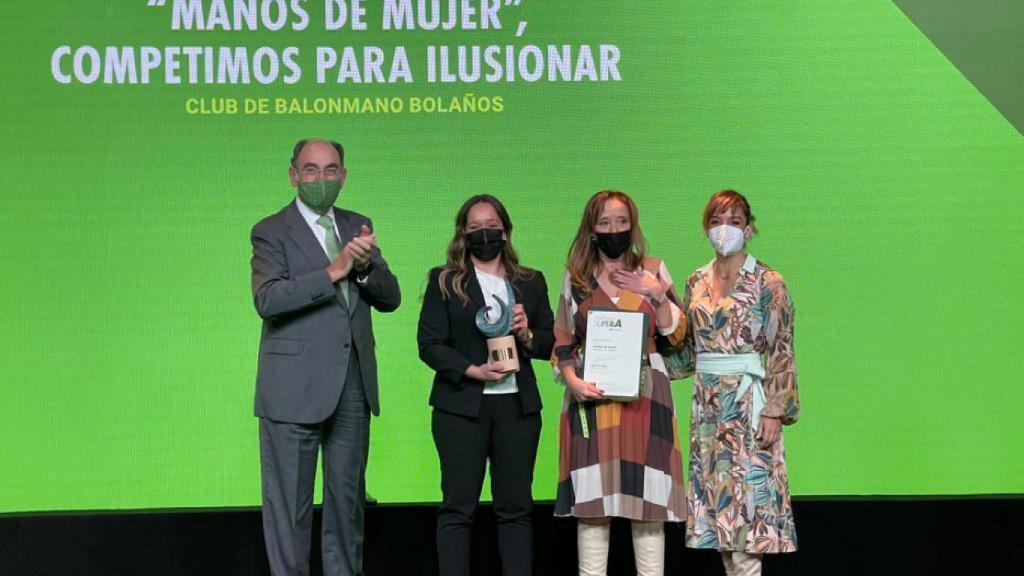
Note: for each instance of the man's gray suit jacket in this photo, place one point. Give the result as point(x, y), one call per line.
point(309, 330)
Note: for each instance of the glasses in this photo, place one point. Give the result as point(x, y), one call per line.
point(311, 173)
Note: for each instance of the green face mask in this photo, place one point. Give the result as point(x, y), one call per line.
point(319, 194)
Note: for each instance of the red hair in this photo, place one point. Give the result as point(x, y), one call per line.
point(724, 201)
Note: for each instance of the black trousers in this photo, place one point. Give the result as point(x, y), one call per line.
point(508, 438)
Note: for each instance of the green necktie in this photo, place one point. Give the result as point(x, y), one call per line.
point(333, 248)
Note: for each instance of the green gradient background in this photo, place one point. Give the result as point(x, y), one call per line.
point(889, 192)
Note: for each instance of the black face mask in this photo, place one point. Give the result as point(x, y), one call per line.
point(486, 243)
point(613, 244)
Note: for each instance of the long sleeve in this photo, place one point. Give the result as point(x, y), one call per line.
point(379, 287)
point(676, 332)
point(543, 324)
point(434, 335)
point(566, 350)
point(679, 353)
point(780, 383)
point(276, 293)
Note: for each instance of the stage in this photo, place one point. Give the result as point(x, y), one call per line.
point(838, 536)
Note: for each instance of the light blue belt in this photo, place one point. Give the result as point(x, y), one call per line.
point(749, 365)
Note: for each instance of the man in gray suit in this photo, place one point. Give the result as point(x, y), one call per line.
point(316, 271)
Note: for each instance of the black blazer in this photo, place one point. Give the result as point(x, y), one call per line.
point(450, 342)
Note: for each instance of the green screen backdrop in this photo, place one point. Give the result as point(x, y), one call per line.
point(888, 189)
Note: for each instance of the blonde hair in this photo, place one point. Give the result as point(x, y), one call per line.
point(583, 254)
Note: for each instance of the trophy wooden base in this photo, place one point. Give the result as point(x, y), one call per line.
point(503, 351)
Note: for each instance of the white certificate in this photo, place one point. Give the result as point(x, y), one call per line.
point(614, 350)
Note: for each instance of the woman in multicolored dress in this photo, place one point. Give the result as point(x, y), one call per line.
point(617, 459)
point(740, 335)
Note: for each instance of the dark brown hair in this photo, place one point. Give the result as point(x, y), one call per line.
point(458, 264)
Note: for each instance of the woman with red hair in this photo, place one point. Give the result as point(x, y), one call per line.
point(739, 344)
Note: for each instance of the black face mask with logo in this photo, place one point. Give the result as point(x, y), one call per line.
point(613, 244)
point(486, 244)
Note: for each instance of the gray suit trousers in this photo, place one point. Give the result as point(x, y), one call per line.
point(288, 458)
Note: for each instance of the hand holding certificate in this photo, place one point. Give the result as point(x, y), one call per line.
point(613, 356)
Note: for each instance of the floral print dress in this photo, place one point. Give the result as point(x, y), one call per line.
point(738, 494)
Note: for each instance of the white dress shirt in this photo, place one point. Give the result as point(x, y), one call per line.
point(310, 216)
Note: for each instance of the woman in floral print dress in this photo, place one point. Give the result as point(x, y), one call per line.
point(738, 312)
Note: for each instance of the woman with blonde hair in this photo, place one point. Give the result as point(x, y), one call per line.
point(617, 459)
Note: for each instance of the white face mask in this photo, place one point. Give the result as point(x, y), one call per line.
point(726, 239)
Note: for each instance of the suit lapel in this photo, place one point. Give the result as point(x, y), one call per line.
point(476, 294)
point(304, 238)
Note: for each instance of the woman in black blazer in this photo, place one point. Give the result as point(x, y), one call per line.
point(479, 412)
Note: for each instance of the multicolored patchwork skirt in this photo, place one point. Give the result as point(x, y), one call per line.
point(631, 465)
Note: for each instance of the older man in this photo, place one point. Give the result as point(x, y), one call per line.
point(316, 271)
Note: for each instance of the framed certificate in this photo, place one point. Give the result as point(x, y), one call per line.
point(613, 356)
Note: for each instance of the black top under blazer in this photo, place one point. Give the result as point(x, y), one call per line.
point(450, 342)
